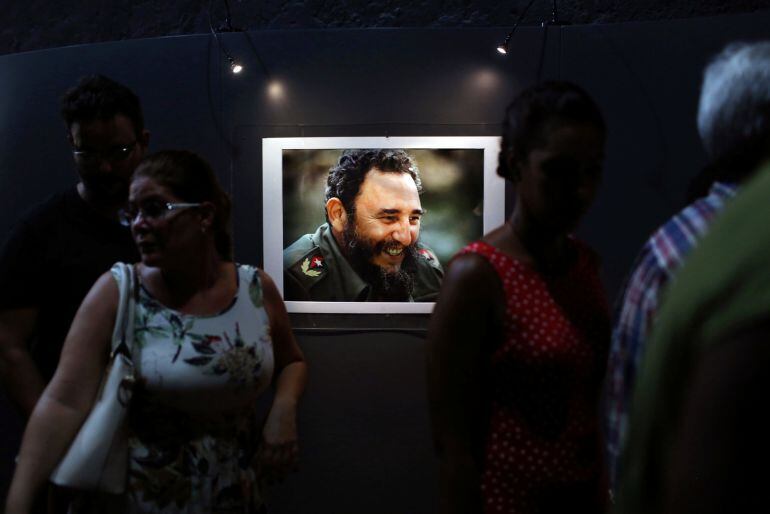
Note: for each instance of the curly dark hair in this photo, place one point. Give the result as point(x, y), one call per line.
point(345, 178)
point(97, 97)
point(533, 111)
point(191, 178)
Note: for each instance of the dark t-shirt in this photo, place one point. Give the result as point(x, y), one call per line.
point(51, 259)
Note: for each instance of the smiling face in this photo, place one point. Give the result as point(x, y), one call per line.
point(170, 236)
point(558, 181)
point(106, 154)
point(387, 217)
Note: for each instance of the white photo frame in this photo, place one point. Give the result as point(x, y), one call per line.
point(273, 151)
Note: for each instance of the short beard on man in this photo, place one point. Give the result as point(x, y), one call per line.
point(105, 189)
point(387, 286)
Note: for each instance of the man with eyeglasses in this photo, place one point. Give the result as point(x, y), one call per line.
point(57, 251)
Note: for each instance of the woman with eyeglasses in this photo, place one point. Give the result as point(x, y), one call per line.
point(210, 337)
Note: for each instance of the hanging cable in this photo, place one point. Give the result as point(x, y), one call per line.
point(503, 48)
point(235, 66)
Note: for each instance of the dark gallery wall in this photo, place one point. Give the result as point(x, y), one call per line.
point(364, 426)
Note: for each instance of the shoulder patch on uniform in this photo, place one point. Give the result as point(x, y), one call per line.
point(313, 266)
point(427, 254)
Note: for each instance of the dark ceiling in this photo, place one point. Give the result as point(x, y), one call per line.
point(34, 25)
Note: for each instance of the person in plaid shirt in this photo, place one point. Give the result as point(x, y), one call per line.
point(659, 259)
point(734, 124)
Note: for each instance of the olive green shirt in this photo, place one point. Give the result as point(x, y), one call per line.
point(723, 287)
point(315, 269)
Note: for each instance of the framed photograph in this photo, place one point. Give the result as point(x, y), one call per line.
point(326, 261)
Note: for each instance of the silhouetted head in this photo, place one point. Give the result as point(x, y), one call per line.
point(189, 179)
point(105, 127)
point(552, 150)
point(734, 109)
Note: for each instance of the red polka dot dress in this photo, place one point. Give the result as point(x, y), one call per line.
point(541, 448)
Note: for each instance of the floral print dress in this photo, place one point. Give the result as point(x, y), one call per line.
point(192, 417)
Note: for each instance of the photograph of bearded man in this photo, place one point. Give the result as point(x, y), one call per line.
point(368, 249)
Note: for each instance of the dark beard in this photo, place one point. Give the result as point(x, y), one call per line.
point(387, 286)
point(105, 191)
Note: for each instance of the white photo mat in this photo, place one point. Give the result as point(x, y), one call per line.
point(272, 208)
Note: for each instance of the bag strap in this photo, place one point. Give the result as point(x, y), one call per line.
point(123, 334)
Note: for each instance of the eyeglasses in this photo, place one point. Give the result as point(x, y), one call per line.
point(112, 155)
point(153, 211)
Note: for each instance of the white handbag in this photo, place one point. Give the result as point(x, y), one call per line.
point(97, 459)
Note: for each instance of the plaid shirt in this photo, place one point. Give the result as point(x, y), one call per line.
point(659, 259)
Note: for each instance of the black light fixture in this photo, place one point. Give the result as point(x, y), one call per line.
point(503, 48)
point(235, 66)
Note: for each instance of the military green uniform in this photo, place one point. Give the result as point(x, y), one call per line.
point(315, 269)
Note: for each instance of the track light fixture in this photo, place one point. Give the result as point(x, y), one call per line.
point(235, 66)
point(503, 48)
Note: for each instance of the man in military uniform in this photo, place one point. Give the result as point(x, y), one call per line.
point(368, 249)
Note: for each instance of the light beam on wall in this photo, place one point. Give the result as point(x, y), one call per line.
point(275, 90)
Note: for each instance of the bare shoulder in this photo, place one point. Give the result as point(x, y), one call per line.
point(100, 306)
point(469, 269)
point(87, 344)
point(268, 286)
point(104, 294)
point(271, 297)
point(470, 284)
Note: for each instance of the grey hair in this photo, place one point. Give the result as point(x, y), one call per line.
point(734, 109)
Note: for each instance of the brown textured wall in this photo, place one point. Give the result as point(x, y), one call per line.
point(35, 24)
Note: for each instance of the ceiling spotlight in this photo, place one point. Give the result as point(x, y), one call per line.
point(503, 49)
point(234, 66)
